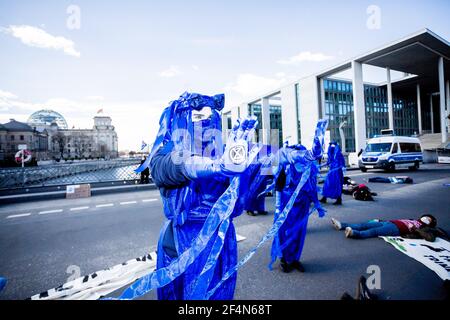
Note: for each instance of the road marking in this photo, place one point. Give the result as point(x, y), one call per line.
point(51, 211)
point(79, 208)
point(149, 200)
point(127, 202)
point(18, 215)
point(104, 205)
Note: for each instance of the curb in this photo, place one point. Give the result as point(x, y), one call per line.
point(41, 196)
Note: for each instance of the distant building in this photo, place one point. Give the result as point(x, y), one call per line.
point(15, 133)
point(99, 142)
point(48, 138)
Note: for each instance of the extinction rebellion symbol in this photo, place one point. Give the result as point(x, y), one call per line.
point(237, 154)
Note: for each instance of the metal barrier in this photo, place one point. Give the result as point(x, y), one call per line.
point(66, 174)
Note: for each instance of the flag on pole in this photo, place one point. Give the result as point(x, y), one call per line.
point(143, 145)
point(100, 110)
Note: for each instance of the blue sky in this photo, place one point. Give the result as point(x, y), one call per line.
point(132, 57)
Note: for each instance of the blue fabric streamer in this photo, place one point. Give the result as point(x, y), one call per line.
point(164, 276)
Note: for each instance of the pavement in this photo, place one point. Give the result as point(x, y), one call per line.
point(44, 244)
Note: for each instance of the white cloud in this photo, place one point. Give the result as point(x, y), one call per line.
point(7, 95)
point(36, 37)
point(249, 85)
point(305, 56)
point(171, 72)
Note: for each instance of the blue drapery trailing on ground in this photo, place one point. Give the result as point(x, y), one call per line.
point(332, 187)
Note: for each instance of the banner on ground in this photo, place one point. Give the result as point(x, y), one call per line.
point(434, 255)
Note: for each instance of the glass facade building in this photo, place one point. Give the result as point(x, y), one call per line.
point(275, 119)
point(339, 107)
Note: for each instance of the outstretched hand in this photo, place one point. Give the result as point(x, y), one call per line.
point(237, 156)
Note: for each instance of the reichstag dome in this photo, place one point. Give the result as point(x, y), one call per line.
point(44, 118)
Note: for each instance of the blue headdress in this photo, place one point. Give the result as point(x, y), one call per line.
point(178, 116)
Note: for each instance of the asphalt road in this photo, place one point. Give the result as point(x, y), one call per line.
point(40, 242)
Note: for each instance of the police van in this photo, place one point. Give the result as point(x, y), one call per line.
point(391, 152)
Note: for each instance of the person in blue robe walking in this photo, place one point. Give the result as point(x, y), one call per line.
point(335, 178)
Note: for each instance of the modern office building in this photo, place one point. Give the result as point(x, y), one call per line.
point(417, 103)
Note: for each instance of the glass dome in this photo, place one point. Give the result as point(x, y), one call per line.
point(44, 118)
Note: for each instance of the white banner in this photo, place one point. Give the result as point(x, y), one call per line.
point(434, 255)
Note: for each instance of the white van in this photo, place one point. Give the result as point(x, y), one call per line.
point(391, 152)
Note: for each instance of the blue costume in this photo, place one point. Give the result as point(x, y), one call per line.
point(296, 188)
point(200, 190)
point(335, 177)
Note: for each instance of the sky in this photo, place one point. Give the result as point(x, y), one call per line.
point(131, 58)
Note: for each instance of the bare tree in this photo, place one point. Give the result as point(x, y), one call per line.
point(60, 139)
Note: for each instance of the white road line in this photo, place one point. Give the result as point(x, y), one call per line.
point(127, 202)
point(79, 208)
point(104, 205)
point(18, 215)
point(149, 200)
point(51, 211)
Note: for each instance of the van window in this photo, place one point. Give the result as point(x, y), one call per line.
point(410, 147)
point(395, 148)
point(378, 147)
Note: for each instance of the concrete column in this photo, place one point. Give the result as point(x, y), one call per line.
point(431, 113)
point(419, 109)
point(442, 100)
point(224, 126)
point(359, 105)
point(234, 115)
point(265, 117)
point(244, 110)
point(389, 96)
point(322, 98)
point(289, 116)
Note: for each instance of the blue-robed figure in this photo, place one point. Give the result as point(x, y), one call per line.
point(199, 182)
point(296, 190)
point(332, 187)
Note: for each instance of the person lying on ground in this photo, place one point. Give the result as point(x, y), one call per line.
point(423, 228)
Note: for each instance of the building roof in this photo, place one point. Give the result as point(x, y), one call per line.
point(16, 126)
point(417, 54)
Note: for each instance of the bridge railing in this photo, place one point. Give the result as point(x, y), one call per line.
point(66, 174)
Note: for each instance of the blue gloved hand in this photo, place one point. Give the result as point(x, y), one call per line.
point(236, 157)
